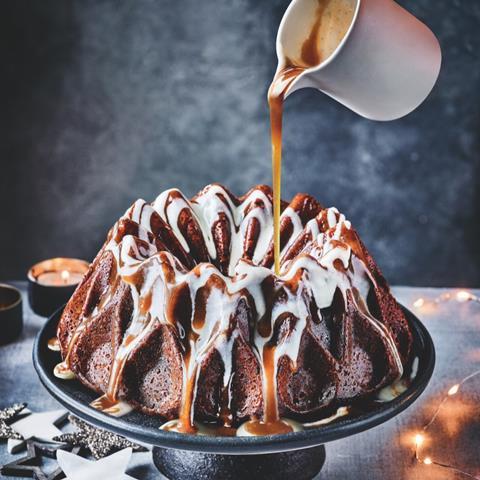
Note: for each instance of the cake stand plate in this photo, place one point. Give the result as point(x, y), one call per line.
point(298, 455)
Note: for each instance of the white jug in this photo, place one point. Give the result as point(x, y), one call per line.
point(385, 66)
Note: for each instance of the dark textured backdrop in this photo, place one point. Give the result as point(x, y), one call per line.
point(102, 102)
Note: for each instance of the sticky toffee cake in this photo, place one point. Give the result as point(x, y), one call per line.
point(181, 315)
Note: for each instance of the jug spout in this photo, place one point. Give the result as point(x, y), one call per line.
point(375, 58)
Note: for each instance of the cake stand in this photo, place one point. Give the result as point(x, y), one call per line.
point(298, 455)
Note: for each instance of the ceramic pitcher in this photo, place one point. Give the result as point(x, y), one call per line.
point(384, 67)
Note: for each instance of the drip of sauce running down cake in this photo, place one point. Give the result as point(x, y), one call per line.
point(332, 20)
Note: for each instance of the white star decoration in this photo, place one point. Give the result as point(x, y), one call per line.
point(108, 468)
point(38, 425)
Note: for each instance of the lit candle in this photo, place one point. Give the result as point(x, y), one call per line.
point(52, 282)
point(60, 278)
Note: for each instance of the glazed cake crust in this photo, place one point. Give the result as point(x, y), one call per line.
point(180, 313)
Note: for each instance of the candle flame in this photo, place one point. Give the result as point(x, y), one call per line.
point(65, 275)
point(427, 461)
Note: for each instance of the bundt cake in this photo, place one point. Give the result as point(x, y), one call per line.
point(180, 315)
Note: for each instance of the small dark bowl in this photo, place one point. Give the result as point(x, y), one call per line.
point(229, 457)
point(11, 314)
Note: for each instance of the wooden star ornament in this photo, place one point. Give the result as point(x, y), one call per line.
point(99, 442)
point(31, 464)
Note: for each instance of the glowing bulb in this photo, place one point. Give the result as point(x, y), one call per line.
point(65, 275)
point(453, 390)
point(419, 303)
point(463, 296)
point(427, 461)
point(418, 439)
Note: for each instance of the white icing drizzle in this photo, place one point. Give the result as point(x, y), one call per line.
point(319, 267)
point(414, 371)
point(296, 224)
point(211, 202)
point(170, 208)
point(341, 412)
point(62, 371)
point(390, 392)
point(115, 409)
point(53, 344)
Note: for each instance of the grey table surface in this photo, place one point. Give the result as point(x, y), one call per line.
point(385, 452)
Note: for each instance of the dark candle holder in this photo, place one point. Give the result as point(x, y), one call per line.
point(46, 297)
point(11, 314)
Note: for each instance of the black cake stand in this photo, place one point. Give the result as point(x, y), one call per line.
point(298, 455)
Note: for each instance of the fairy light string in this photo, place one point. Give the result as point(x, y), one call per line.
point(460, 296)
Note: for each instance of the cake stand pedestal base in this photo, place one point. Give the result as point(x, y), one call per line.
point(185, 465)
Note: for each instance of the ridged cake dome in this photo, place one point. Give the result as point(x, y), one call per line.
point(181, 315)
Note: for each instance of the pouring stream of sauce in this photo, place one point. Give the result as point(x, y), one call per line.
point(332, 20)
